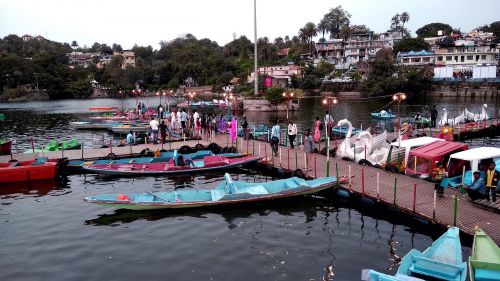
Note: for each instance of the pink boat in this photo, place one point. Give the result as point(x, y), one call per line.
point(207, 163)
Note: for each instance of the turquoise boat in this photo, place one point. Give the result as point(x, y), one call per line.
point(383, 115)
point(2, 117)
point(441, 261)
point(227, 192)
point(484, 263)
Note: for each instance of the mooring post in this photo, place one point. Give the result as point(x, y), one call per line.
point(305, 162)
point(378, 185)
point(414, 196)
point(363, 181)
point(32, 145)
point(280, 158)
point(253, 148)
point(315, 168)
point(328, 158)
point(395, 187)
point(62, 152)
point(265, 152)
point(110, 147)
point(296, 160)
point(455, 209)
point(259, 150)
point(349, 175)
point(82, 150)
point(463, 175)
point(227, 140)
point(365, 151)
point(337, 173)
point(434, 206)
point(248, 151)
point(354, 154)
point(130, 150)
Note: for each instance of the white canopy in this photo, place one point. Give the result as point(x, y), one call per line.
point(477, 153)
point(415, 142)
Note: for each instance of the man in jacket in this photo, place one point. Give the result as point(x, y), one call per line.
point(492, 177)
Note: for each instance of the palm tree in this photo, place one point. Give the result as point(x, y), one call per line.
point(395, 21)
point(345, 32)
point(335, 19)
point(404, 18)
point(323, 27)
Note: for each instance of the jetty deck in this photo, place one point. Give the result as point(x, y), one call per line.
point(410, 195)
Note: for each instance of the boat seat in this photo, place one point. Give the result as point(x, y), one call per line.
point(254, 190)
point(486, 274)
point(433, 268)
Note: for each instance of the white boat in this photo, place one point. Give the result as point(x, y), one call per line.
point(476, 159)
point(401, 149)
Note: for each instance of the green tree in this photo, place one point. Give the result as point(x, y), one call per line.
point(431, 29)
point(411, 44)
point(334, 20)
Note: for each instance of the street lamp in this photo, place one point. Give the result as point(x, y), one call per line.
point(399, 98)
point(328, 102)
point(287, 96)
point(121, 94)
point(191, 97)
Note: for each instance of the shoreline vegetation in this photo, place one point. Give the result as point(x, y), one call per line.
point(38, 68)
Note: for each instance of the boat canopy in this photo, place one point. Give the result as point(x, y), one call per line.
point(477, 154)
point(476, 159)
point(436, 150)
point(415, 142)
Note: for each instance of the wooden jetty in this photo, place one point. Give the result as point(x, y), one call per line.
point(410, 195)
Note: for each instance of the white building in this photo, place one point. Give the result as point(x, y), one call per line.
point(419, 58)
point(278, 73)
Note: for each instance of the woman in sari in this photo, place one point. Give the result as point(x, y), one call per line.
point(317, 130)
point(233, 130)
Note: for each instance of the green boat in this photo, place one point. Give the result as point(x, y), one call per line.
point(2, 117)
point(57, 146)
point(484, 263)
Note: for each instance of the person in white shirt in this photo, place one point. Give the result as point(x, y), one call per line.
point(154, 129)
point(292, 132)
point(275, 138)
point(328, 123)
point(179, 116)
point(172, 120)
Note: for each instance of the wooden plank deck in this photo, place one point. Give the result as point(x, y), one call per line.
point(468, 216)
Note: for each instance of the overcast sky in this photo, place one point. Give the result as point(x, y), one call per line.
point(147, 22)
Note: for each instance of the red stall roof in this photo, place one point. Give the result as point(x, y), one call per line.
point(438, 149)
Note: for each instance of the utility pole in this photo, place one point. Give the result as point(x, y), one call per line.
point(256, 82)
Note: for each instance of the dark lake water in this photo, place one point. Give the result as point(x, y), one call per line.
point(49, 233)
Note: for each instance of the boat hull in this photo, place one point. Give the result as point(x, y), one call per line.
point(243, 198)
point(6, 147)
point(484, 263)
point(379, 116)
point(46, 171)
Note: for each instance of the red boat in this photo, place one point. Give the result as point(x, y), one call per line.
point(25, 171)
point(5, 146)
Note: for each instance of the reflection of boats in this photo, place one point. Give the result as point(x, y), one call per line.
point(383, 115)
point(484, 263)
point(228, 192)
point(77, 165)
point(441, 261)
point(39, 188)
point(57, 146)
point(5, 146)
point(26, 171)
point(464, 163)
point(207, 163)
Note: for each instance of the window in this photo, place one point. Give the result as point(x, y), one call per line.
point(477, 57)
point(483, 57)
point(470, 57)
point(462, 58)
point(440, 58)
point(449, 58)
point(456, 58)
point(429, 59)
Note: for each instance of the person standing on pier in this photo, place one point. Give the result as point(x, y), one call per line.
point(492, 177)
point(308, 148)
point(244, 127)
point(160, 111)
point(154, 130)
point(275, 137)
point(434, 115)
point(233, 130)
point(328, 123)
point(292, 132)
point(184, 118)
point(317, 129)
point(163, 131)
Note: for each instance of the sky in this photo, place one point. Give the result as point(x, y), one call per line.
point(148, 22)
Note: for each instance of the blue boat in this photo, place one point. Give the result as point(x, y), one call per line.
point(260, 130)
point(227, 192)
point(342, 131)
point(383, 115)
point(441, 261)
point(75, 166)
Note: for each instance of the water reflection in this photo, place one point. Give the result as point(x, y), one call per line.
point(35, 188)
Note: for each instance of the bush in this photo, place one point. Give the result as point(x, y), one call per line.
point(275, 95)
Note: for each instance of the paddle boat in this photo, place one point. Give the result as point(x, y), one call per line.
point(383, 115)
point(457, 120)
point(422, 160)
point(463, 164)
point(399, 151)
point(484, 263)
point(92, 125)
point(227, 192)
point(75, 166)
point(441, 261)
point(5, 146)
point(25, 171)
point(57, 146)
point(172, 167)
point(470, 116)
point(372, 155)
point(353, 149)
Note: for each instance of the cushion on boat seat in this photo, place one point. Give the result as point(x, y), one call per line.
point(486, 275)
point(425, 265)
point(217, 194)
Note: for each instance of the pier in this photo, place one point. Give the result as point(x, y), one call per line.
point(410, 195)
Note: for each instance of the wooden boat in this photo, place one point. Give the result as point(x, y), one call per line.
point(441, 261)
point(484, 264)
point(86, 125)
point(57, 146)
point(25, 171)
point(75, 166)
point(383, 115)
point(104, 108)
point(228, 192)
point(5, 146)
point(207, 163)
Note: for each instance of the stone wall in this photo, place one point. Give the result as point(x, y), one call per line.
point(265, 105)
